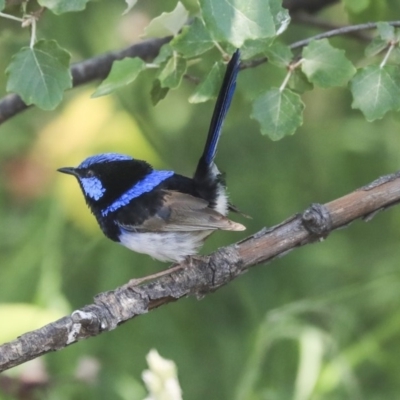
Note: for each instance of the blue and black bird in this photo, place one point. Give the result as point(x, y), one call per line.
point(161, 213)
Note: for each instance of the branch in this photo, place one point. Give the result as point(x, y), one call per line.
point(344, 30)
point(89, 70)
point(203, 275)
point(99, 67)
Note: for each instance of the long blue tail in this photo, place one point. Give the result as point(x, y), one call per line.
point(221, 108)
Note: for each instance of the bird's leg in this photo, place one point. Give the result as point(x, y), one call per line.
point(173, 268)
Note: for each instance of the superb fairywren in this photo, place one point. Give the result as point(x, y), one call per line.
point(161, 213)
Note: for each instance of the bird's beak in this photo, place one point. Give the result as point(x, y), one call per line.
point(68, 170)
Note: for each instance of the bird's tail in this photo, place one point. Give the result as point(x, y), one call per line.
point(221, 108)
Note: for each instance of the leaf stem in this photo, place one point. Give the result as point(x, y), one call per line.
point(286, 80)
point(11, 17)
point(387, 55)
point(291, 67)
point(221, 50)
point(33, 32)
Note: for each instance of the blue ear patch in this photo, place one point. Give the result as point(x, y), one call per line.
point(103, 158)
point(147, 184)
point(92, 187)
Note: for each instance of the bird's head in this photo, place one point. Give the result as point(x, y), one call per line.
point(104, 178)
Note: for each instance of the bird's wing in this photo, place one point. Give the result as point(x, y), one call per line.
point(183, 212)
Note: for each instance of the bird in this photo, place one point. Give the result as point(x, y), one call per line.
point(159, 212)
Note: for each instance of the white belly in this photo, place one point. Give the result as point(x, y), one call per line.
point(164, 246)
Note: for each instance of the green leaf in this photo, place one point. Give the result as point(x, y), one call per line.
point(395, 55)
point(279, 54)
point(299, 82)
point(40, 74)
point(239, 20)
point(193, 40)
point(122, 73)
point(157, 92)
point(375, 47)
point(163, 55)
point(209, 88)
point(326, 66)
point(279, 113)
point(130, 5)
point(168, 23)
point(171, 75)
point(386, 31)
point(376, 90)
point(386, 34)
point(280, 16)
point(2, 4)
point(63, 6)
point(254, 47)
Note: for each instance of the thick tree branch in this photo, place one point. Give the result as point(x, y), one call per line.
point(204, 275)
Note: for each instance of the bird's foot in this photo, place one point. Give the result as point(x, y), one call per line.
point(191, 261)
point(138, 281)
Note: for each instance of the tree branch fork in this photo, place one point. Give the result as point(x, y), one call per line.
point(204, 275)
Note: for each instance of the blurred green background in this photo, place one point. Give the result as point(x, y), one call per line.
point(319, 323)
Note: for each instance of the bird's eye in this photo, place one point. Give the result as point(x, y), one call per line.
point(89, 173)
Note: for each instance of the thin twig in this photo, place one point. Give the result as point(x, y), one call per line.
point(344, 30)
point(191, 78)
point(9, 16)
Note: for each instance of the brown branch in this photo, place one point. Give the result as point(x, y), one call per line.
point(203, 275)
point(89, 70)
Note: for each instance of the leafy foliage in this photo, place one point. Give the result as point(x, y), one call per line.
point(63, 6)
point(240, 22)
point(279, 112)
point(40, 74)
point(122, 73)
point(208, 89)
point(168, 23)
point(194, 40)
point(279, 54)
point(172, 73)
point(255, 26)
point(326, 66)
point(376, 90)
